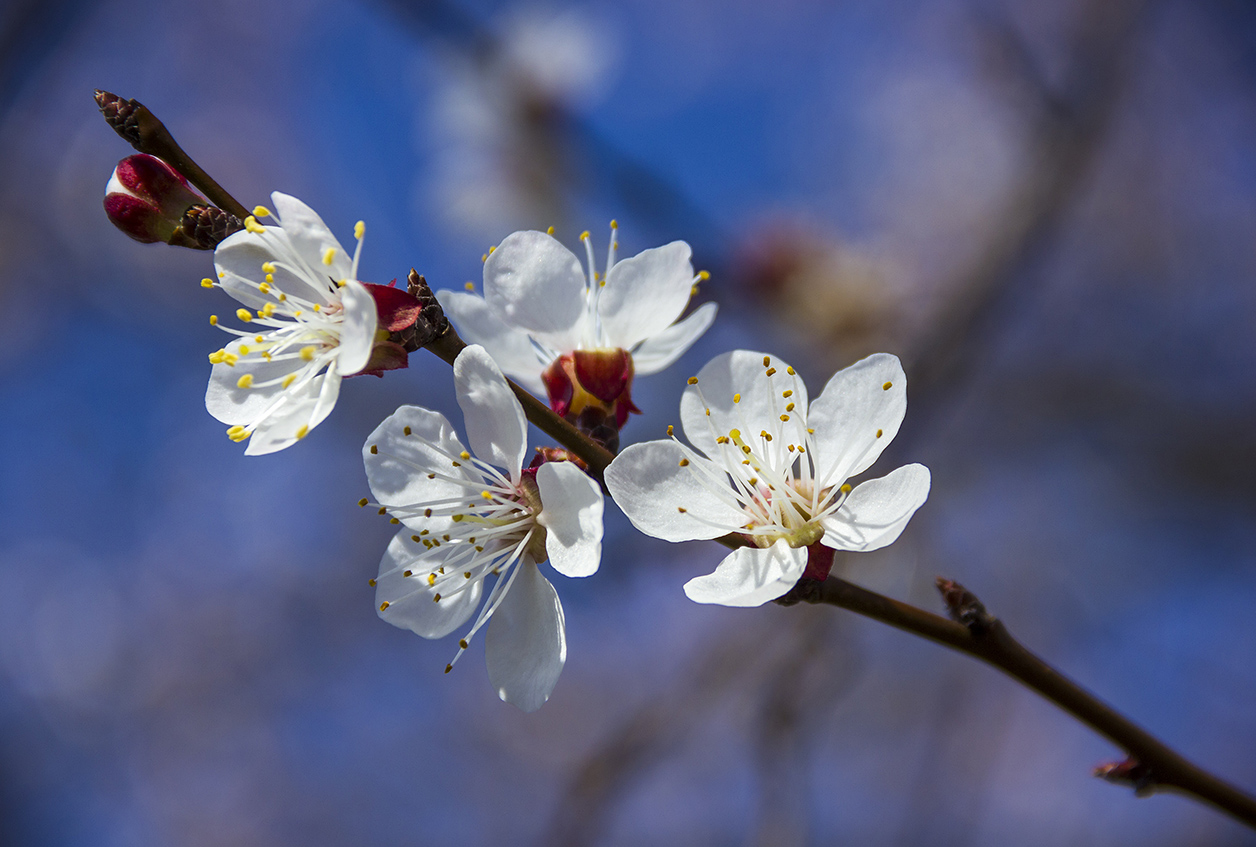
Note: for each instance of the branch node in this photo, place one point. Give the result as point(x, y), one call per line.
point(964, 607)
point(1131, 772)
point(431, 323)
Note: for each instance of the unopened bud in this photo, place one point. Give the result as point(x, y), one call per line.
point(147, 199)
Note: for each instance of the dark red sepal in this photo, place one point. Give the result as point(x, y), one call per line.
point(605, 374)
point(386, 356)
point(819, 562)
point(558, 386)
point(397, 309)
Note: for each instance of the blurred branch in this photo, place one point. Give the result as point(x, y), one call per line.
point(1066, 128)
point(1152, 765)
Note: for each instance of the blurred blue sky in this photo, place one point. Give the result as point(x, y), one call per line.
point(1048, 210)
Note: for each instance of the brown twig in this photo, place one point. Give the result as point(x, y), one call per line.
point(1152, 765)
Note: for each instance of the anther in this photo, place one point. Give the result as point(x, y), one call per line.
point(244, 315)
point(374, 449)
point(207, 283)
point(584, 235)
point(736, 398)
point(681, 509)
point(693, 380)
point(213, 320)
point(435, 598)
point(670, 429)
point(784, 418)
point(261, 212)
point(302, 432)
point(383, 510)
point(846, 488)
point(427, 513)
point(371, 582)
point(771, 371)
point(788, 393)
point(878, 433)
point(704, 275)
point(549, 230)
point(448, 668)
point(462, 642)
point(329, 255)
point(307, 352)
point(789, 370)
point(394, 521)
point(384, 606)
point(406, 430)
point(767, 361)
point(407, 573)
point(363, 501)
point(245, 381)
point(287, 380)
point(431, 579)
point(359, 230)
point(268, 267)
point(469, 285)
point(251, 224)
point(789, 407)
point(887, 386)
point(684, 463)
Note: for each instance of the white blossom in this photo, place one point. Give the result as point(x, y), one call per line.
point(468, 515)
point(768, 467)
point(539, 304)
point(308, 323)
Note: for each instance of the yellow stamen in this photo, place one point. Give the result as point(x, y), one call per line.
point(207, 283)
point(288, 380)
point(245, 381)
point(251, 224)
point(213, 320)
point(328, 255)
point(261, 212)
point(302, 432)
point(244, 315)
point(359, 229)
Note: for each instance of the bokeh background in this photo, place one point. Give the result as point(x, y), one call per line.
point(1047, 209)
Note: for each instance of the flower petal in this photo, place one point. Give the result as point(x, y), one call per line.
point(226, 401)
point(526, 644)
point(750, 576)
point(411, 603)
point(357, 333)
point(876, 512)
point(740, 394)
point(664, 499)
point(239, 261)
point(303, 409)
point(415, 468)
point(856, 415)
point(535, 283)
point(645, 294)
point(572, 516)
point(311, 239)
point(509, 346)
point(661, 350)
point(496, 427)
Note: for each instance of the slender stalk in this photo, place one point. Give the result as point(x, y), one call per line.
point(985, 638)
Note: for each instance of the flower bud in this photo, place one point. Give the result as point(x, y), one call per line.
point(146, 199)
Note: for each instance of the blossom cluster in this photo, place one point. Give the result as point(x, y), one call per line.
point(765, 470)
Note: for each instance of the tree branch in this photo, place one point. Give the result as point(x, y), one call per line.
point(1152, 765)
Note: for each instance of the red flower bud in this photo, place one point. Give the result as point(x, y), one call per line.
point(146, 199)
